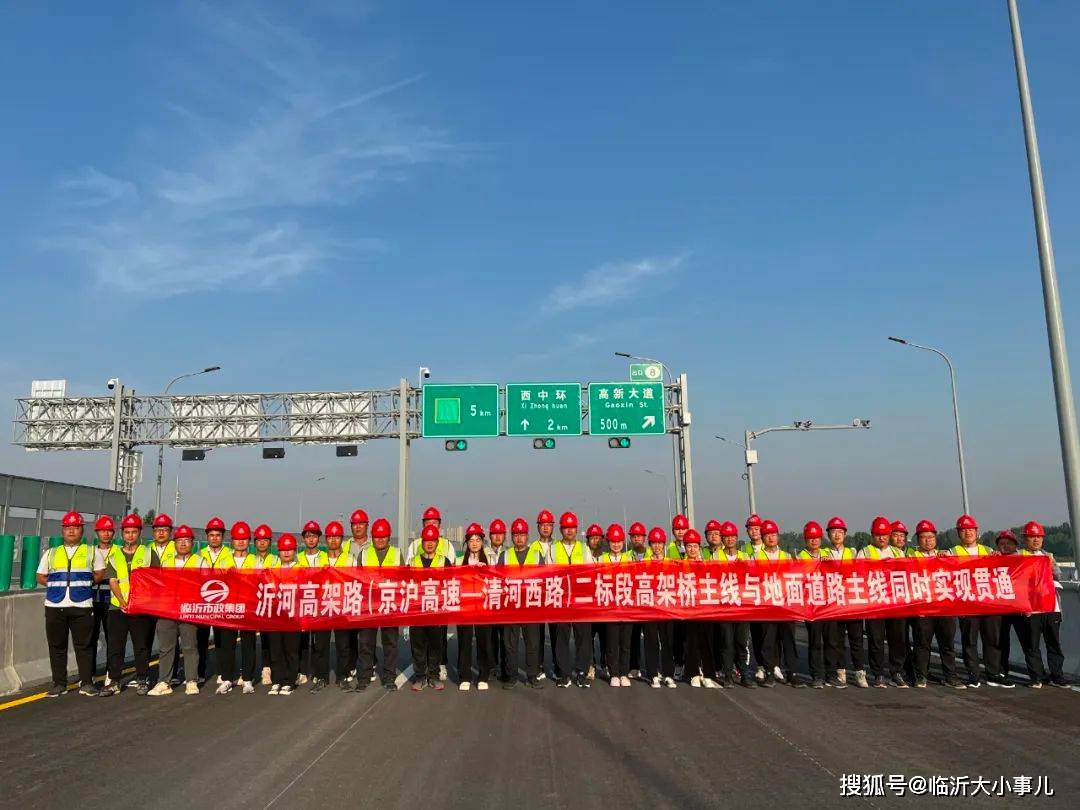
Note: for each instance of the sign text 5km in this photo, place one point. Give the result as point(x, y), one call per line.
point(633, 408)
point(460, 411)
point(543, 409)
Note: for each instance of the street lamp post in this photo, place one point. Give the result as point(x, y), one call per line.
point(1055, 327)
point(956, 414)
point(161, 447)
point(750, 457)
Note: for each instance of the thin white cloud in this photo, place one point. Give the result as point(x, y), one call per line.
point(265, 135)
point(611, 282)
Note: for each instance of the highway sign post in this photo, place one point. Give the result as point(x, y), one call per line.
point(646, 372)
point(626, 407)
point(460, 411)
point(543, 409)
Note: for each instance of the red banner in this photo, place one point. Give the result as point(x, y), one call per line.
point(325, 598)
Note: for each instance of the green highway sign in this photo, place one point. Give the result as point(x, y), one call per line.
point(646, 372)
point(543, 409)
point(634, 408)
point(460, 411)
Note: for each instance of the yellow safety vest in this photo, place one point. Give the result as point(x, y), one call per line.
point(224, 558)
point(806, 555)
point(342, 560)
point(369, 558)
point(71, 577)
point(193, 561)
point(249, 560)
point(783, 555)
point(166, 557)
point(845, 553)
point(438, 561)
point(962, 551)
point(575, 557)
point(624, 557)
point(721, 556)
point(141, 559)
point(534, 555)
point(875, 553)
point(321, 559)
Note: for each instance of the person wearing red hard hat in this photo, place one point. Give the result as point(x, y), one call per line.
point(757, 629)
point(344, 639)
point(730, 639)
point(680, 525)
point(519, 555)
point(244, 559)
point(928, 628)
point(263, 558)
point(426, 641)
point(358, 526)
point(314, 645)
point(658, 636)
point(171, 633)
point(813, 535)
point(777, 638)
point(105, 530)
point(972, 628)
point(880, 632)
point(1046, 627)
point(843, 630)
point(545, 530)
point(475, 554)
point(378, 554)
point(569, 550)
point(617, 652)
point(67, 572)
point(594, 540)
point(753, 534)
point(284, 645)
point(123, 558)
point(496, 543)
point(700, 667)
point(898, 534)
point(1007, 545)
point(215, 554)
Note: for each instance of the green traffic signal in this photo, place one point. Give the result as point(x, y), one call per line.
point(455, 445)
point(618, 442)
point(543, 444)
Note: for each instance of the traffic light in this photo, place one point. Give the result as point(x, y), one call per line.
point(193, 455)
point(543, 444)
point(456, 445)
point(346, 450)
point(618, 442)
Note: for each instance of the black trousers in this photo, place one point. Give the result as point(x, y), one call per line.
point(565, 666)
point(101, 625)
point(202, 646)
point(466, 634)
point(815, 643)
point(618, 649)
point(1047, 628)
point(365, 646)
point(988, 629)
point(515, 634)
point(894, 633)
point(729, 647)
point(659, 659)
point(498, 660)
point(678, 642)
point(140, 629)
point(600, 653)
point(285, 657)
point(757, 637)
point(835, 634)
point(264, 643)
point(943, 630)
point(226, 654)
point(1021, 625)
point(344, 650)
point(320, 654)
point(778, 639)
point(699, 651)
point(635, 646)
point(427, 652)
point(78, 623)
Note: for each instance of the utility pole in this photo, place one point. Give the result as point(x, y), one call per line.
point(161, 447)
point(403, 468)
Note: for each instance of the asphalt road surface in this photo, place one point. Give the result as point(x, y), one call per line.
point(521, 748)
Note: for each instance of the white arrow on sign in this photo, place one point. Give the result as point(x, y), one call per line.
point(648, 422)
point(524, 424)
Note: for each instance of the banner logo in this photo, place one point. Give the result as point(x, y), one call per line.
point(214, 591)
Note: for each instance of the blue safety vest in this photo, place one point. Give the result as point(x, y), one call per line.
point(71, 578)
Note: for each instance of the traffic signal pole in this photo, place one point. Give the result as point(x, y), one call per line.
point(403, 469)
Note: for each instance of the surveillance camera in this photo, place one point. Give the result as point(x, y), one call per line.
point(425, 372)
point(866, 423)
point(113, 382)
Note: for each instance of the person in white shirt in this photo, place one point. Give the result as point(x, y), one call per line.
point(474, 554)
point(285, 645)
point(170, 630)
point(1046, 627)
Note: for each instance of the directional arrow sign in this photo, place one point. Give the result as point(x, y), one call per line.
point(460, 411)
point(543, 409)
point(633, 408)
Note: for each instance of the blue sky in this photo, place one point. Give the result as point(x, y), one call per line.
point(756, 193)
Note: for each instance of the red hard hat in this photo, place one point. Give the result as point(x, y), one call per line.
point(359, 516)
point(966, 522)
point(431, 513)
point(519, 526)
point(594, 530)
point(286, 542)
point(335, 529)
point(183, 532)
point(1034, 529)
point(240, 531)
point(497, 527)
point(429, 532)
point(474, 528)
point(131, 522)
point(545, 517)
point(836, 522)
point(898, 526)
point(311, 527)
point(753, 520)
point(679, 522)
point(380, 528)
point(615, 533)
point(1006, 535)
point(162, 521)
point(104, 524)
point(712, 526)
point(769, 527)
point(729, 529)
point(925, 526)
point(72, 519)
point(637, 528)
point(812, 531)
point(691, 538)
point(215, 524)
point(880, 526)
point(656, 535)
point(263, 532)
point(568, 520)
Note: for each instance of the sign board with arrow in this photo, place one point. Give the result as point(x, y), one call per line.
point(543, 409)
point(633, 408)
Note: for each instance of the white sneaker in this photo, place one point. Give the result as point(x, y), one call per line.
point(108, 680)
point(482, 686)
point(160, 688)
point(709, 683)
point(192, 688)
point(778, 675)
point(224, 687)
point(696, 682)
point(464, 686)
point(275, 690)
point(591, 674)
point(541, 676)
point(286, 690)
point(249, 688)
point(352, 673)
point(841, 676)
point(624, 681)
point(759, 674)
point(616, 682)
point(301, 679)
point(655, 683)
point(267, 678)
point(442, 672)
point(860, 679)
point(635, 673)
point(373, 679)
point(669, 682)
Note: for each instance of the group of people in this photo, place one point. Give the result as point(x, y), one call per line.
point(87, 587)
